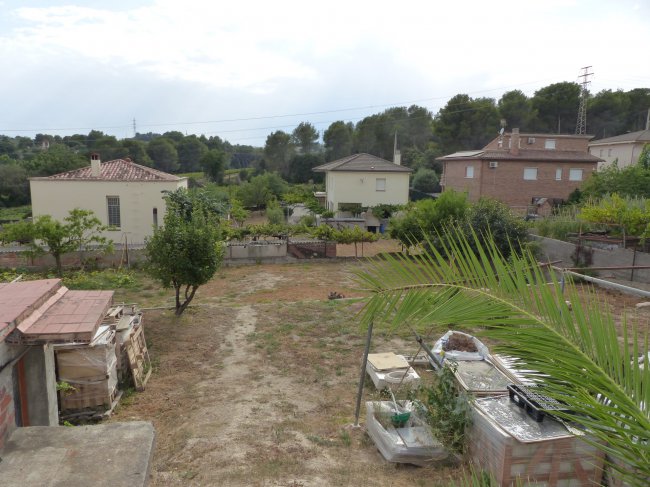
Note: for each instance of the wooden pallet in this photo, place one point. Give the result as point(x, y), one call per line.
point(139, 361)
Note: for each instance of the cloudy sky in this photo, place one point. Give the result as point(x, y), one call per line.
point(242, 69)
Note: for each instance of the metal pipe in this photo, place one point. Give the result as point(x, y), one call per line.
point(609, 284)
point(362, 377)
point(610, 268)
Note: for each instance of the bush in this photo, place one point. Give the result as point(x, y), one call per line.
point(426, 180)
point(274, 213)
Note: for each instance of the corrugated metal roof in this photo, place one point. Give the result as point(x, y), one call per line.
point(362, 163)
point(116, 170)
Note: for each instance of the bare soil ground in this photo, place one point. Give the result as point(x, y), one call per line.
point(255, 385)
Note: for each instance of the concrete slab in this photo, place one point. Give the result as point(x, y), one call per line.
point(114, 454)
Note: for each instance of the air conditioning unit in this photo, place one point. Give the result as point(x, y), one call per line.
point(531, 140)
point(493, 164)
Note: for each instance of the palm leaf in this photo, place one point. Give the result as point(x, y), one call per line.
point(575, 347)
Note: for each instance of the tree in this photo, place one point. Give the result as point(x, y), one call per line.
point(14, 186)
point(257, 192)
point(605, 113)
point(574, 349)
point(278, 150)
point(163, 154)
point(630, 181)
point(213, 163)
point(78, 230)
point(514, 107)
point(557, 107)
point(644, 157)
point(58, 158)
point(300, 168)
point(190, 153)
point(338, 140)
point(425, 180)
point(136, 150)
point(305, 137)
point(185, 252)
point(466, 123)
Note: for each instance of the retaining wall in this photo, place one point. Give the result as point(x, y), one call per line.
point(559, 250)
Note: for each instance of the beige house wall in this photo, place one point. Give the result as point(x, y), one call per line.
point(137, 201)
point(627, 153)
point(361, 187)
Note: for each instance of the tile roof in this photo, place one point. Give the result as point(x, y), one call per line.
point(640, 136)
point(540, 155)
point(18, 300)
point(45, 310)
point(362, 163)
point(116, 170)
point(75, 317)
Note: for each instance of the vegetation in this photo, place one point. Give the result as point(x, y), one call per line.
point(628, 215)
point(631, 181)
point(187, 250)
point(45, 235)
point(570, 341)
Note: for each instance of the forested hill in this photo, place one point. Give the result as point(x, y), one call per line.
point(463, 123)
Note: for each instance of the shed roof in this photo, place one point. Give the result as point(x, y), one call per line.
point(45, 310)
point(115, 170)
point(362, 163)
point(18, 300)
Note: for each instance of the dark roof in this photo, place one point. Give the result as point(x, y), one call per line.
point(116, 170)
point(362, 163)
point(524, 155)
point(640, 136)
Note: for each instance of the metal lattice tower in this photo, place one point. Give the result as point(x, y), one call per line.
point(581, 126)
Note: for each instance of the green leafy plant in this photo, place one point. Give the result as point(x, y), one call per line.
point(447, 410)
point(569, 338)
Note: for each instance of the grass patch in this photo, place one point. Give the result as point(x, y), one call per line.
point(15, 213)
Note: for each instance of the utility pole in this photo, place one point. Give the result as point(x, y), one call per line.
point(581, 126)
point(134, 130)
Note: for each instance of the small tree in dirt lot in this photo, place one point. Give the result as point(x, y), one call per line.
point(47, 235)
point(185, 252)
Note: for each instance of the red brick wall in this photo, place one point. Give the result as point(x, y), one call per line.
point(506, 182)
point(7, 418)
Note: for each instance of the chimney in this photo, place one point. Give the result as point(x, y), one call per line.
point(397, 157)
point(95, 165)
point(514, 142)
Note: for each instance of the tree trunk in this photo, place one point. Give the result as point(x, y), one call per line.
point(180, 307)
point(59, 266)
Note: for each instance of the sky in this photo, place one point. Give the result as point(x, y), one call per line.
point(241, 70)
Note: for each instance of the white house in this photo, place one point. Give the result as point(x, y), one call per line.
point(625, 148)
point(125, 196)
point(364, 180)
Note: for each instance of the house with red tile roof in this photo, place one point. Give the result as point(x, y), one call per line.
point(34, 316)
point(521, 170)
point(126, 197)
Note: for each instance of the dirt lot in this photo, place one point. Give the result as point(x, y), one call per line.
point(255, 385)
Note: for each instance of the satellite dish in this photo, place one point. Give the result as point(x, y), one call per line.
point(501, 131)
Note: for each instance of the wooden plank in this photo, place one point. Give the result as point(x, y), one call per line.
point(139, 361)
point(387, 361)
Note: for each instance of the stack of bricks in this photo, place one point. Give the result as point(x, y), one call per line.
point(7, 416)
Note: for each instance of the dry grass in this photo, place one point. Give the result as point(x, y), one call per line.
point(255, 385)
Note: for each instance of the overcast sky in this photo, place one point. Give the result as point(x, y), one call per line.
point(238, 69)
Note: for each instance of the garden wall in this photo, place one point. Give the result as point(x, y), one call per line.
point(553, 250)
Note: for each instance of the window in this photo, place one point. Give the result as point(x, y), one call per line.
point(601, 153)
point(549, 144)
point(469, 172)
point(558, 174)
point(609, 152)
point(155, 217)
point(380, 184)
point(575, 174)
point(113, 203)
point(530, 173)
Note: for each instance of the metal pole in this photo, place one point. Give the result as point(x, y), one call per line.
point(633, 263)
point(362, 377)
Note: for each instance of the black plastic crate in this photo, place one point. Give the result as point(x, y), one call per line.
point(536, 404)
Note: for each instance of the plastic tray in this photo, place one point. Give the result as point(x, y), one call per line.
point(536, 404)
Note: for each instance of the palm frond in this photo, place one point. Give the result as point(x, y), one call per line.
point(575, 347)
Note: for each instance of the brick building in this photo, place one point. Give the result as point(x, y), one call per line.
point(521, 169)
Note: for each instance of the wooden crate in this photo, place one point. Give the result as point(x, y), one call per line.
point(560, 462)
point(91, 371)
